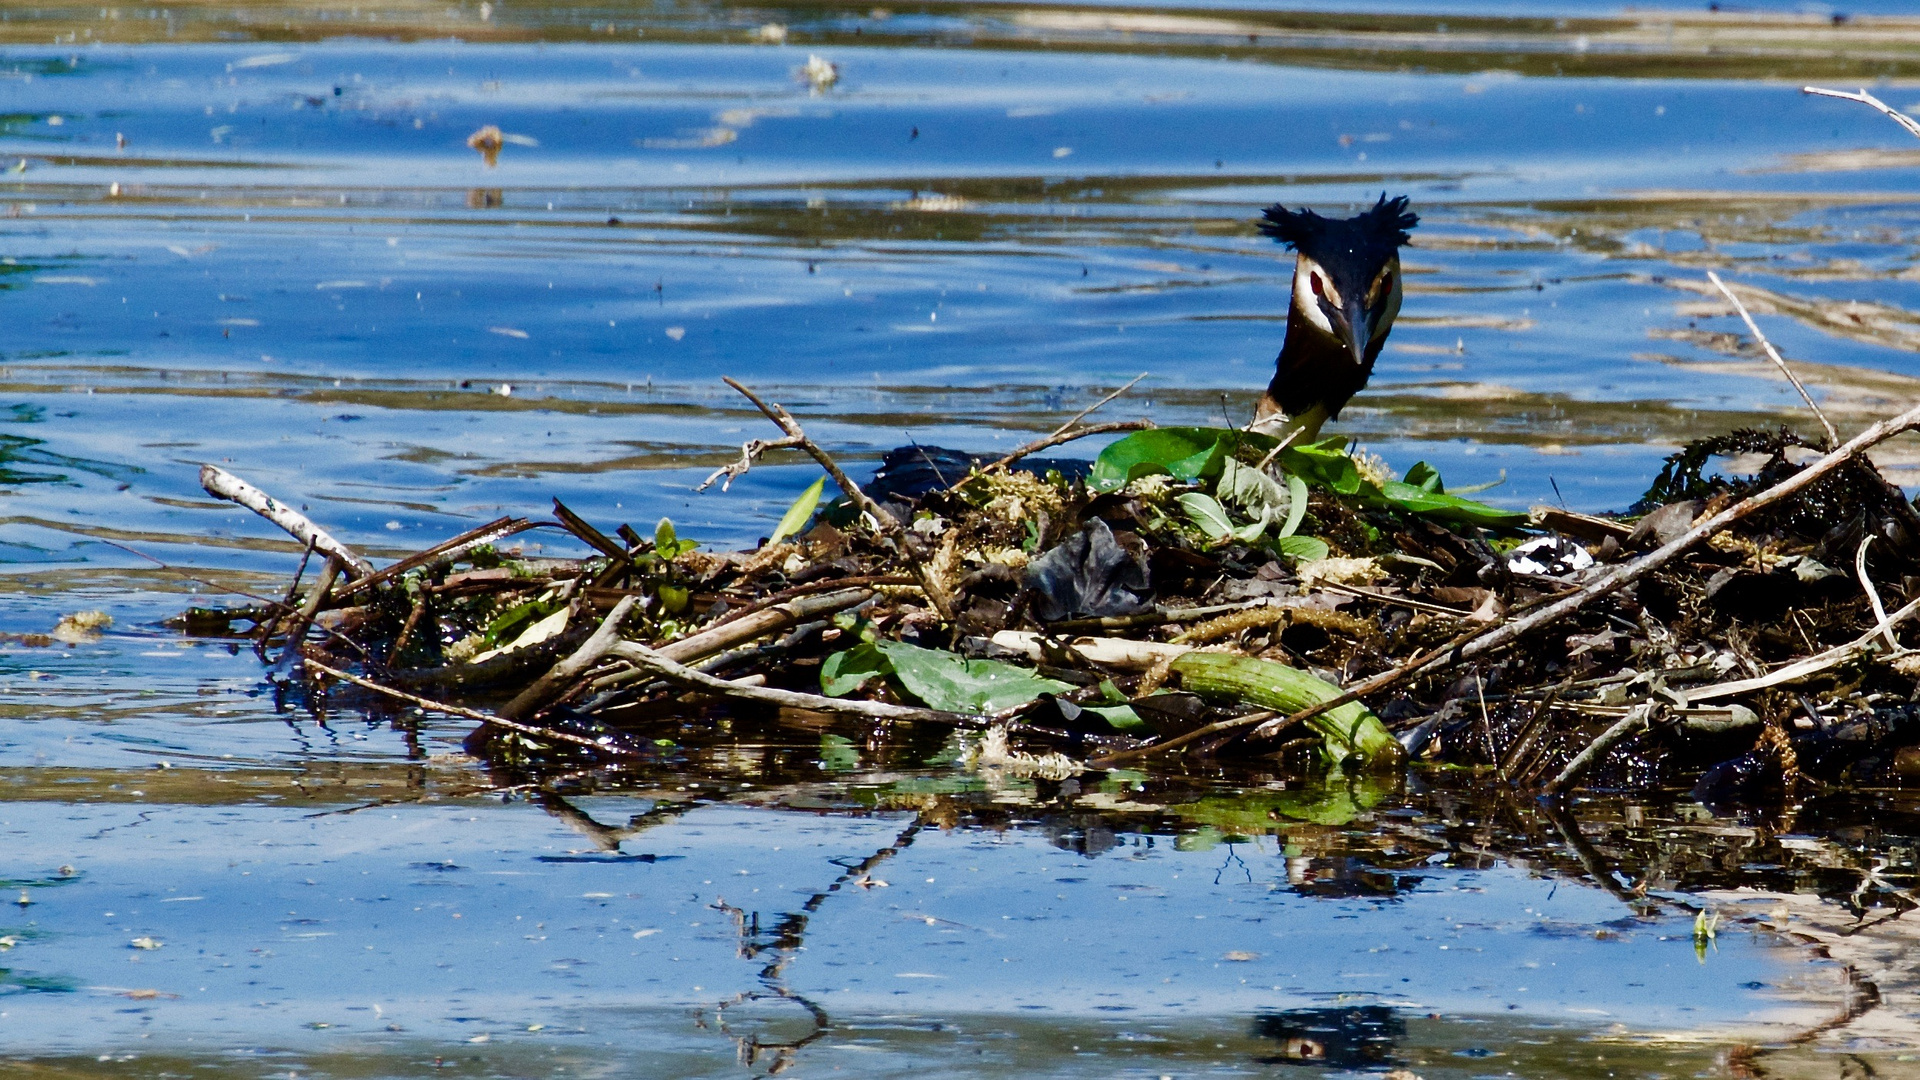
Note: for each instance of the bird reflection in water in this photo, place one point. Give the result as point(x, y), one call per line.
point(1354, 1037)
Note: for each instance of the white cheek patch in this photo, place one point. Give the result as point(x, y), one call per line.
point(1388, 311)
point(1305, 301)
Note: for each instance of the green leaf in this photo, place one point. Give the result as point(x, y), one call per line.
point(1120, 717)
point(1207, 513)
point(944, 680)
point(665, 541)
point(1303, 548)
point(1296, 506)
point(848, 670)
point(1183, 453)
point(1253, 491)
point(1192, 454)
point(510, 623)
point(673, 598)
point(939, 679)
point(798, 514)
point(1324, 464)
point(1448, 508)
point(1426, 478)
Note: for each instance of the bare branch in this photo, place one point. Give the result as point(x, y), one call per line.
point(1809, 666)
point(472, 714)
point(222, 484)
point(1873, 594)
point(715, 640)
point(796, 435)
point(1864, 98)
point(1634, 722)
point(750, 452)
point(1833, 437)
point(1059, 438)
point(1066, 432)
point(558, 678)
point(1089, 410)
point(445, 552)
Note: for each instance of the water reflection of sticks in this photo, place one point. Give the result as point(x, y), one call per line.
point(781, 944)
point(1233, 859)
point(608, 838)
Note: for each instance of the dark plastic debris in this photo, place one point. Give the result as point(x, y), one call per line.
point(1089, 575)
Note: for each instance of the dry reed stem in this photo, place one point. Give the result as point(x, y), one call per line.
point(1833, 437)
point(532, 730)
point(648, 660)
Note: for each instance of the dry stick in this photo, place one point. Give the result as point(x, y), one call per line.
point(472, 714)
point(1120, 757)
point(1807, 666)
point(922, 568)
point(1629, 724)
point(1061, 438)
point(562, 675)
point(760, 623)
point(1095, 407)
point(766, 621)
point(760, 603)
point(222, 484)
point(407, 628)
point(642, 657)
point(1153, 618)
point(1042, 443)
point(446, 550)
point(297, 629)
point(1903, 509)
point(1833, 437)
point(592, 537)
point(1519, 749)
point(750, 452)
point(1481, 641)
point(1873, 594)
point(1279, 446)
point(276, 605)
point(268, 628)
point(1864, 98)
point(1391, 600)
point(1486, 722)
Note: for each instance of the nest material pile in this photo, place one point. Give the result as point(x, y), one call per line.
point(1195, 593)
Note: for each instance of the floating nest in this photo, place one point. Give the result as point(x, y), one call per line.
point(1192, 596)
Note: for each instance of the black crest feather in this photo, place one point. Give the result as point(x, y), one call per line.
point(1375, 232)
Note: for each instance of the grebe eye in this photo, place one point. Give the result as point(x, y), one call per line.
point(1319, 290)
point(1386, 283)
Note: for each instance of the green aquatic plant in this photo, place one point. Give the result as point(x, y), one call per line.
point(1201, 456)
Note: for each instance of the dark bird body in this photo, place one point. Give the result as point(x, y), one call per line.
point(1346, 294)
